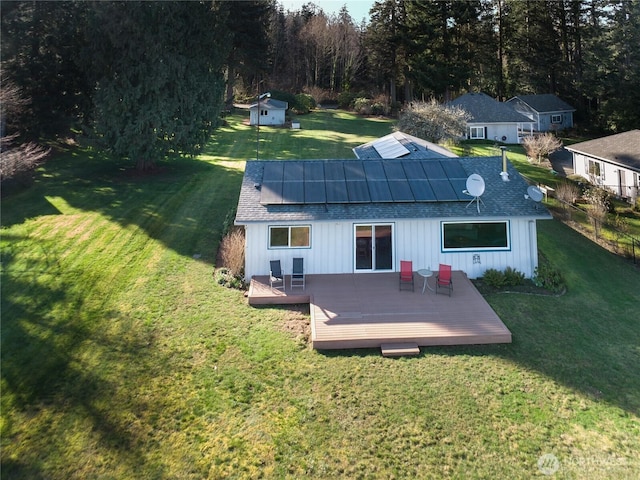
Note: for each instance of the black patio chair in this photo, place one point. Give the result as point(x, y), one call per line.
point(276, 277)
point(297, 274)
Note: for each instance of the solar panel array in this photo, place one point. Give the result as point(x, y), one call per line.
point(356, 181)
point(390, 147)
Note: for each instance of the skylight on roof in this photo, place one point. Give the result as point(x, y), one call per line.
point(390, 147)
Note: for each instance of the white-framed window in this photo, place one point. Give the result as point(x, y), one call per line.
point(595, 169)
point(290, 236)
point(475, 236)
point(476, 133)
point(264, 113)
point(556, 118)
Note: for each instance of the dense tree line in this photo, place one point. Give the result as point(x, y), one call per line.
point(585, 51)
point(149, 78)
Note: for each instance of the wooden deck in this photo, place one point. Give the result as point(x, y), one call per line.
point(367, 310)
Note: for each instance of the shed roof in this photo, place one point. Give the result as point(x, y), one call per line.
point(416, 148)
point(621, 149)
point(500, 199)
point(484, 109)
point(544, 103)
point(271, 104)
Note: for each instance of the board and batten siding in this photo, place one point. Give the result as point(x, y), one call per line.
point(617, 179)
point(274, 117)
point(332, 247)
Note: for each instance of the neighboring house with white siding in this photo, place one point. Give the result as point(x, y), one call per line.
point(549, 112)
point(492, 120)
point(612, 162)
point(352, 216)
point(268, 111)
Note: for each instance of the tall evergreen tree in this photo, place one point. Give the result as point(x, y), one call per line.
point(40, 45)
point(621, 101)
point(532, 47)
point(386, 45)
point(445, 47)
point(159, 76)
point(249, 54)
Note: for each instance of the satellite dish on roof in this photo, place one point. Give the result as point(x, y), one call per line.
point(475, 185)
point(535, 193)
point(475, 188)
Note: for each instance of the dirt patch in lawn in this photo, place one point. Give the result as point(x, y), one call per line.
point(297, 322)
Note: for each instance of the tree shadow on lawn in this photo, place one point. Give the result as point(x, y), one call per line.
point(52, 377)
point(182, 204)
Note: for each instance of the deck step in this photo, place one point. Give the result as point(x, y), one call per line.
point(399, 349)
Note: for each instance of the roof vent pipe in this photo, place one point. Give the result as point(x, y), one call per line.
point(503, 174)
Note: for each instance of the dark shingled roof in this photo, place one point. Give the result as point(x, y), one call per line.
point(622, 149)
point(484, 109)
point(545, 102)
point(417, 147)
point(501, 199)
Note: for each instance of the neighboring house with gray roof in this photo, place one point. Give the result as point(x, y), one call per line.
point(271, 112)
point(611, 162)
point(401, 145)
point(549, 112)
point(353, 216)
point(492, 120)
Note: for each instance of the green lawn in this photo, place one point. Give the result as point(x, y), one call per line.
point(121, 358)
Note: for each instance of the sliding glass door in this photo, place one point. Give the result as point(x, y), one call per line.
point(373, 247)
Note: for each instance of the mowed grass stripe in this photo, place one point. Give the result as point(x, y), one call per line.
point(150, 370)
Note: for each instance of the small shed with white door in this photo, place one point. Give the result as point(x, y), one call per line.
point(268, 112)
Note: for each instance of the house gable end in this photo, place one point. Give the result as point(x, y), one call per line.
point(621, 149)
point(484, 109)
point(544, 103)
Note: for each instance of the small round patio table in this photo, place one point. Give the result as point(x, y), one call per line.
point(425, 273)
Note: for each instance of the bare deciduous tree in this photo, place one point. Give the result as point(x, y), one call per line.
point(598, 199)
point(15, 158)
point(432, 121)
point(539, 146)
point(567, 192)
point(19, 159)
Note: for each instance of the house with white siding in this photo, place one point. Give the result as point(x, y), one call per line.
point(611, 162)
point(549, 112)
point(490, 119)
point(366, 215)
